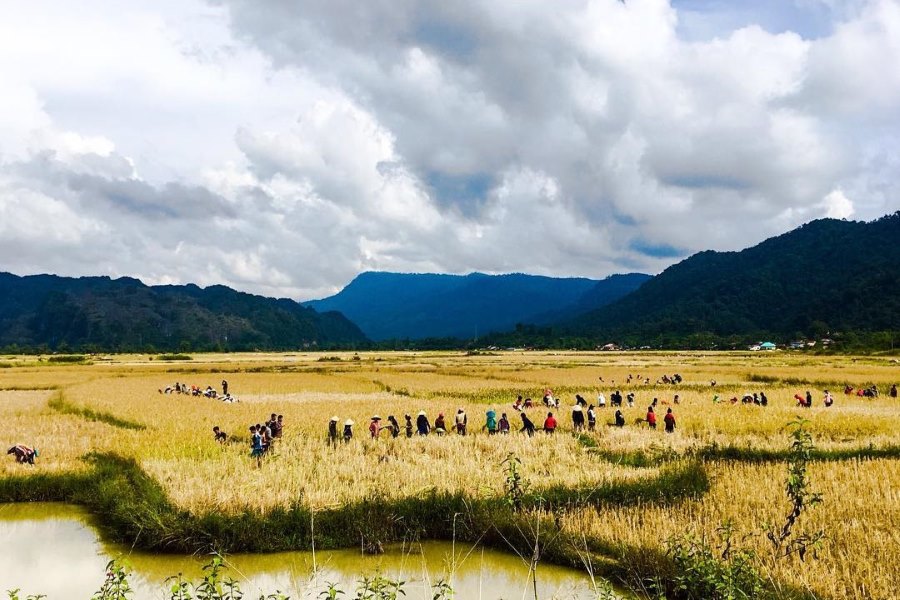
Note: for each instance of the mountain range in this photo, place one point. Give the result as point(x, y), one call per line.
point(417, 306)
point(124, 314)
point(826, 277)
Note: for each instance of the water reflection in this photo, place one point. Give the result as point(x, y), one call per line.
point(52, 549)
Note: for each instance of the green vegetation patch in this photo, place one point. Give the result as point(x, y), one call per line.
point(60, 405)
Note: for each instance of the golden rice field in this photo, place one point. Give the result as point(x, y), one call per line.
point(44, 404)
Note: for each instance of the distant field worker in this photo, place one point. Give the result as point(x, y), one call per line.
point(375, 426)
point(348, 430)
point(550, 423)
point(409, 426)
point(220, 436)
point(577, 417)
point(651, 417)
point(461, 422)
point(224, 388)
point(423, 427)
point(670, 421)
point(490, 421)
point(24, 454)
point(394, 426)
point(332, 430)
point(440, 424)
point(503, 424)
point(256, 445)
point(527, 425)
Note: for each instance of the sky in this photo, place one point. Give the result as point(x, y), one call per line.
point(281, 147)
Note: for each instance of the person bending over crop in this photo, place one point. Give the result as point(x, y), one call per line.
point(221, 436)
point(394, 426)
point(527, 425)
point(24, 454)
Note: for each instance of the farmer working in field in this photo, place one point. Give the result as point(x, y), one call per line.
point(461, 421)
point(550, 423)
point(527, 425)
point(670, 421)
point(333, 431)
point(24, 454)
point(490, 421)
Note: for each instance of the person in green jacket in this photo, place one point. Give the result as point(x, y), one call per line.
point(491, 421)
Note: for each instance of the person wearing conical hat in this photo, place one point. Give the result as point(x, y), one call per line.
point(375, 426)
point(577, 417)
point(423, 427)
point(348, 430)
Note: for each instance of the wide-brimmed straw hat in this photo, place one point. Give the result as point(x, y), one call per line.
point(335, 418)
point(376, 418)
point(421, 413)
point(348, 422)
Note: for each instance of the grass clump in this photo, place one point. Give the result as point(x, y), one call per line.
point(174, 357)
point(67, 359)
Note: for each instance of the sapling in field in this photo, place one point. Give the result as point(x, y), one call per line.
point(784, 540)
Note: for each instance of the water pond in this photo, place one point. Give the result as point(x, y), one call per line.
point(53, 549)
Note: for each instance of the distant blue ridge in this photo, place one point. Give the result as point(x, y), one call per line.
point(417, 306)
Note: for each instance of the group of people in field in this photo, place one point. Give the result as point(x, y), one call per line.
point(262, 435)
point(757, 398)
point(868, 392)
point(196, 390)
point(583, 415)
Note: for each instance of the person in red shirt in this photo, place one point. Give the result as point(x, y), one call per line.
point(550, 423)
point(651, 417)
point(670, 421)
point(375, 426)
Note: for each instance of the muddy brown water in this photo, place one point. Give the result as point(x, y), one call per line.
point(53, 549)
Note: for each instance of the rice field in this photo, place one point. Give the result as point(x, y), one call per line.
point(115, 404)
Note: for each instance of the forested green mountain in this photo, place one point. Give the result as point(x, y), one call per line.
point(423, 305)
point(826, 276)
point(124, 314)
